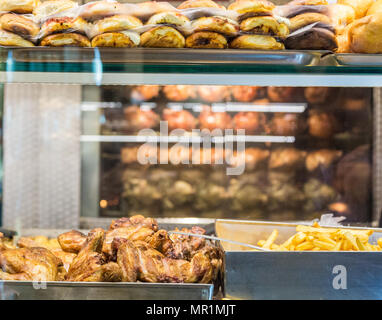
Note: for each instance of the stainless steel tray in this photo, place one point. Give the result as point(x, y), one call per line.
point(295, 275)
point(360, 60)
point(27, 290)
point(159, 56)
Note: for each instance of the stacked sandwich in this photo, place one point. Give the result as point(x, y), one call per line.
point(310, 26)
point(111, 25)
point(60, 24)
point(260, 29)
point(211, 27)
point(17, 27)
point(166, 29)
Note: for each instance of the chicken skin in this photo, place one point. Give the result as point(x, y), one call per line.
point(72, 241)
point(140, 262)
point(91, 265)
point(29, 264)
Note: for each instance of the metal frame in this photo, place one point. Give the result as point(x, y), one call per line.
point(377, 156)
point(297, 80)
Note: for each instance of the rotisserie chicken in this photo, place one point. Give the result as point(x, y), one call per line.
point(29, 264)
point(132, 249)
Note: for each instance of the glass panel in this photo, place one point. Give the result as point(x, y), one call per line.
point(305, 151)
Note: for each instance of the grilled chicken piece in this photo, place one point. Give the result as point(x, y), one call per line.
point(133, 233)
point(139, 261)
point(90, 264)
point(34, 264)
point(39, 242)
point(184, 247)
point(72, 241)
point(50, 244)
point(87, 266)
point(137, 220)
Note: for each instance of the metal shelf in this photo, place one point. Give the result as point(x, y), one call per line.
point(120, 66)
point(186, 139)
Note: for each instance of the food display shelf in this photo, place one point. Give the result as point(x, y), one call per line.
point(57, 290)
point(295, 275)
point(115, 66)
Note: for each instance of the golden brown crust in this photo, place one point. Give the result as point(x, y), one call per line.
point(360, 6)
point(17, 6)
point(174, 19)
point(341, 15)
point(13, 40)
point(115, 39)
point(364, 34)
point(265, 25)
point(115, 23)
point(376, 7)
point(63, 24)
point(306, 19)
point(206, 40)
point(53, 7)
point(19, 25)
point(256, 42)
point(163, 37)
point(216, 24)
point(101, 9)
point(65, 40)
point(308, 2)
point(252, 7)
point(199, 4)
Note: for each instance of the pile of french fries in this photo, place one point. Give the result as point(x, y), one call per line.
point(316, 238)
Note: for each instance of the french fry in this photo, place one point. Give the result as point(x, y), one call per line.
point(271, 239)
point(305, 246)
point(325, 238)
point(360, 245)
point(323, 245)
point(299, 238)
point(351, 239)
point(316, 238)
point(261, 243)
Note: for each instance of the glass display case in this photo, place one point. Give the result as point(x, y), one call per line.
point(310, 148)
point(169, 164)
point(306, 151)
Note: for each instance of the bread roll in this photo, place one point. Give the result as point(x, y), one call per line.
point(206, 40)
point(256, 42)
point(376, 7)
point(19, 25)
point(121, 39)
point(217, 24)
point(360, 6)
point(53, 7)
point(250, 8)
point(19, 6)
point(341, 15)
point(364, 35)
point(63, 24)
point(266, 25)
point(65, 40)
point(115, 23)
point(199, 4)
point(163, 37)
point(13, 40)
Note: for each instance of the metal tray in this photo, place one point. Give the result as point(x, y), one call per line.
point(159, 56)
point(361, 60)
point(295, 275)
point(27, 290)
